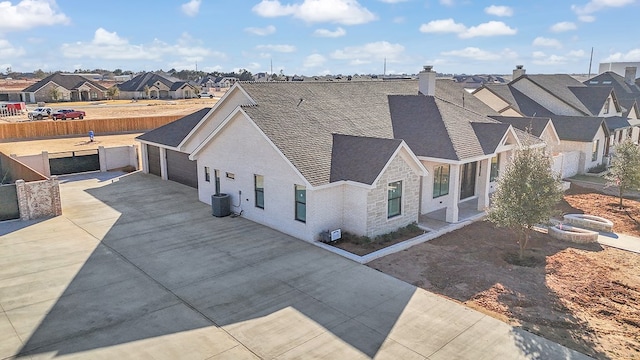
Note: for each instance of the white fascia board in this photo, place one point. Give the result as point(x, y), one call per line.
point(158, 145)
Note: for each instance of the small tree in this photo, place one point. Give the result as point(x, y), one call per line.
point(113, 92)
point(55, 93)
point(625, 168)
point(146, 91)
point(526, 194)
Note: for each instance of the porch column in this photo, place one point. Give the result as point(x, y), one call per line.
point(483, 184)
point(145, 158)
point(454, 194)
point(163, 163)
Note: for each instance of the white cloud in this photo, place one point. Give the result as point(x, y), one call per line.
point(191, 8)
point(399, 20)
point(331, 34)
point(499, 10)
point(547, 42)
point(563, 26)
point(540, 58)
point(267, 30)
point(314, 60)
point(577, 53)
point(491, 28)
point(28, 14)
point(393, 1)
point(367, 53)
point(446, 2)
point(631, 55)
point(346, 12)
point(586, 11)
point(8, 51)
point(277, 48)
point(110, 46)
point(442, 26)
point(482, 55)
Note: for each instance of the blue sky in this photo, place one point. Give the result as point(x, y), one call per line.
point(311, 37)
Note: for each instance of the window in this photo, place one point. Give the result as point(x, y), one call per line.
point(301, 203)
point(394, 199)
point(231, 176)
point(606, 107)
point(495, 164)
point(440, 181)
point(216, 173)
point(207, 174)
point(94, 95)
point(258, 181)
point(594, 154)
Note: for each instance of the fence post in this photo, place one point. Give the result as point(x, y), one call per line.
point(56, 203)
point(133, 157)
point(23, 205)
point(102, 157)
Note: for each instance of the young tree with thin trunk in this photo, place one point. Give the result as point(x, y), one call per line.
point(624, 172)
point(527, 194)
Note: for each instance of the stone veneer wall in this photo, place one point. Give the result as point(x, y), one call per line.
point(377, 221)
point(38, 199)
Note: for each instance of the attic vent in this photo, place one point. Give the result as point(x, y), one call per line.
point(606, 82)
point(593, 82)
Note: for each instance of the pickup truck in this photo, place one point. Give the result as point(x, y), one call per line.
point(64, 114)
point(40, 113)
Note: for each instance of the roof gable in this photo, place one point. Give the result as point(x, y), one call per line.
point(578, 128)
point(67, 81)
point(593, 98)
point(360, 159)
point(490, 135)
point(557, 85)
point(173, 133)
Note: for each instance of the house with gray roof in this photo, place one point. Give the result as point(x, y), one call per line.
point(150, 85)
point(365, 157)
point(68, 87)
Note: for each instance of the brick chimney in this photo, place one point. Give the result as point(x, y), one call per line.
point(427, 81)
point(518, 71)
point(630, 75)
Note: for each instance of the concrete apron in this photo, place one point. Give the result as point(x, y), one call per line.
point(138, 268)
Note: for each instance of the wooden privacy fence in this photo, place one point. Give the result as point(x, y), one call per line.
point(44, 129)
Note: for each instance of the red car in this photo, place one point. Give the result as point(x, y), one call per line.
point(64, 114)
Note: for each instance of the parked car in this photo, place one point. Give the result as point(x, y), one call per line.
point(64, 114)
point(205, 95)
point(40, 113)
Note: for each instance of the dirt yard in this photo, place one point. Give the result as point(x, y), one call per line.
point(586, 297)
point(33, 147)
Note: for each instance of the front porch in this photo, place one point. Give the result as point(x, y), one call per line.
point(436, 220)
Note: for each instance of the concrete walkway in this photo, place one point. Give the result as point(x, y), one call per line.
point(139, 269)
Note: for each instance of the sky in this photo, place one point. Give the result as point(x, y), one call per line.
point(318, 37)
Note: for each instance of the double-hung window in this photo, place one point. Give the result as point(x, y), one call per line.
point(258, 181)
point(440, 181)
point(394, 199)
point(301, 203)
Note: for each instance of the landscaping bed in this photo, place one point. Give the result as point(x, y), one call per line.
point(586, 297)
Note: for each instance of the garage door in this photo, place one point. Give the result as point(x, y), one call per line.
point(181, 169)
point(153, 157)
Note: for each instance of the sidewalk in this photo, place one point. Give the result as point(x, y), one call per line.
point(620, 241)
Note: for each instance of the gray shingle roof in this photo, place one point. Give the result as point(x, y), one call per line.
point(174, 132)
point(577, 128)
point(145, 79)
point(558, 85)
point(301, 118)
point(360, 159)
point(592, 97)
point(489, 135)
point(535, 125)
point(455, 93)
point(616, 122)
point(528, 106)
point(67, 81)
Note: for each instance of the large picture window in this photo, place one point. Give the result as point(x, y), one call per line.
point(301, 203)
point(594, 150)
point(440, 180)
point(394, 199)
point(259, 190)
point(495, 165)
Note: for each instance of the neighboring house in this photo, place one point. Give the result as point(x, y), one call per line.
point(156, 86)
point(627, 92)
point(365, 157)
point(588, 135)
point(537, 126)
point(70, 87)
point(545, 95)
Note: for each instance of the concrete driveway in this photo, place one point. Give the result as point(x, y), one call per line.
point(138, 268)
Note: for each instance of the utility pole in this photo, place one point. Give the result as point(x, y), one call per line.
point(384, 71)
point(590, 62)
